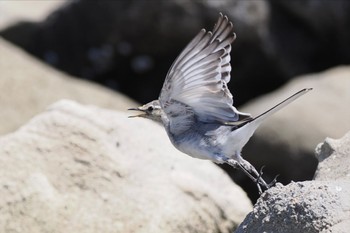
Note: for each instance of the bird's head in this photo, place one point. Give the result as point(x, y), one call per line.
point(151, 110)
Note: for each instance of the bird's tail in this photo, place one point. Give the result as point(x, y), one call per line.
point(280, 105)
point(255, 121)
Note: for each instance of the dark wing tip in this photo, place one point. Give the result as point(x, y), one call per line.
point(307, 89)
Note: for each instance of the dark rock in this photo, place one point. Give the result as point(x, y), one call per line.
point(28, 86)
point(130, 45)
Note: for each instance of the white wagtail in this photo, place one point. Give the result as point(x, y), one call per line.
point(195, 105)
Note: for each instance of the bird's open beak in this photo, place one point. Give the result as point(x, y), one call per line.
point(137, 109)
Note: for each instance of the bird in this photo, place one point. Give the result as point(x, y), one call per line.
point(196, 108)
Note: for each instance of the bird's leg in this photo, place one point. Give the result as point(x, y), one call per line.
point(258, 180)
point(236, 164)
point(251, 169)
point(247, 173)
point(251, 172)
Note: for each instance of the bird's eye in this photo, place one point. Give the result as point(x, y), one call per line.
point(150, 108)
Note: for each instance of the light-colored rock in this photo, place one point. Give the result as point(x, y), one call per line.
point(12, 12)
point(334, 158)
point(84, 169)
point(285, 143)
point(310, 206)
point(29, 86)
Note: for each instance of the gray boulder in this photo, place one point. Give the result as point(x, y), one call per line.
point(334, 157)
point(322, 205)
point(75, 168)
point(308, 207)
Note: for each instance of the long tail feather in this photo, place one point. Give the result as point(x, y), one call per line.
point(281, 105)
point(255, 121)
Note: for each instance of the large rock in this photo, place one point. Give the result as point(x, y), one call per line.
point(334, 157)
point(28, 86)
point(310, 206)
point(12, 12)
point(322, 205)
point(130, 45)
point(285, 143)
point(84, 169)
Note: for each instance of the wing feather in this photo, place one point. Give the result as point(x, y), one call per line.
point(196, 83)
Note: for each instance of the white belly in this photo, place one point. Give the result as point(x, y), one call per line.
point(193, 148)
point(216, 145)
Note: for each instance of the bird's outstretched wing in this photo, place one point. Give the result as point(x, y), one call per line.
point(198, 78)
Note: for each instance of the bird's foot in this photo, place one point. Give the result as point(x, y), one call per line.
point(253, 174)
point(274, 181)
point(266, 185)
point(260, 181)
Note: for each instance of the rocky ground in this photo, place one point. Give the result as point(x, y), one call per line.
point(321, 205)
point(79, 165)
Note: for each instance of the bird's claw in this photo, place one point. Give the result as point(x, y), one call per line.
point(274, 181)
point(260, 182)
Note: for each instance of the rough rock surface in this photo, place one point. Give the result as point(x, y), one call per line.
point(310, 206)
point(322, 205)
point(334, 157)
point(285, 142)
point(28, 86)
point(84, 169)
